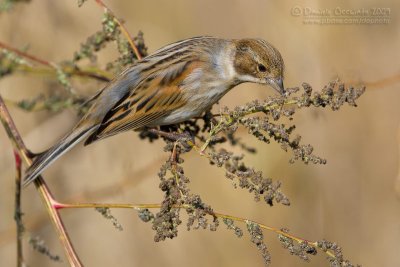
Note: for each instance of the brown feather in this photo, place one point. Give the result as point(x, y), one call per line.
point(147, 103)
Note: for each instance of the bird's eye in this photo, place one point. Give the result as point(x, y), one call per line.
point(262, 68)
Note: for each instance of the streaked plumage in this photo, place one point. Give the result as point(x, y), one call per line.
point(176, 83)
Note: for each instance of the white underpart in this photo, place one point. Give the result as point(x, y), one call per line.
point(204, 87)
point(225, 62)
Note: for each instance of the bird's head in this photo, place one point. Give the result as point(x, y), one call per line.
point(256, 60)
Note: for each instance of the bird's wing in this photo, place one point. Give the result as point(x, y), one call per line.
point(153, 98)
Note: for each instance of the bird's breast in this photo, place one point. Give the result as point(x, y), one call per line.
point(198, 99)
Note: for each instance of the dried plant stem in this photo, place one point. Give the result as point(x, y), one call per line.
point(50, 64)
point(25, 55)
point(124, 30)
point(18, 212)
point(37, 220)
point(216, 214)
point(174, 170)
point(30, 57)
point(230, 121)
point(91, 73)
point(41, 186)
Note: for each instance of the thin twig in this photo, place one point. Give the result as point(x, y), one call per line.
point(124, 30)
point(31, 57)
point(18, 211)
point(40, 184)
point(38, 219)
point(54, 66)
point(25, 55)
point(174, 171)
point(299, 240)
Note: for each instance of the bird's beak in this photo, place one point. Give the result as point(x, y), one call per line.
point(277, 84)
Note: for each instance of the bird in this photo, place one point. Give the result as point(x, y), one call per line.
point(177, 82)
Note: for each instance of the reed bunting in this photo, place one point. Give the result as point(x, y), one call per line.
point(176, 83)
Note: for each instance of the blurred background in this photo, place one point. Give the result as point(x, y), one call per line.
point(353, 200)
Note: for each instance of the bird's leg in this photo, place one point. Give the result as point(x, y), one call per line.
point(185, 136)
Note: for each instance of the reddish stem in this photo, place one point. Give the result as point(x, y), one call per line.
point(18, 161)
point(58, 205)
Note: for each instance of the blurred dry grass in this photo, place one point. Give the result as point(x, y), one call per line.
point(351, 200)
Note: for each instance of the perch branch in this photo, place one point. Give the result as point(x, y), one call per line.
point(40, 184)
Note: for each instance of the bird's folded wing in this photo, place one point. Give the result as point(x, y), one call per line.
point(154, 98)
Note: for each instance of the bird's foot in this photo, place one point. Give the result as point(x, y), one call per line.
point(186, 138)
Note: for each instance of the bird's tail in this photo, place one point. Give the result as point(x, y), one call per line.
point(44, 160)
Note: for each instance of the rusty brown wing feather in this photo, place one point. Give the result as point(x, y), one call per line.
point(155, 97)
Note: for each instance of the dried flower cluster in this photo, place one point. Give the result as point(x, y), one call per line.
point(106, 213)
point(257, 238)
point(302, 250)
point(39, 246)
point(261, 118)
point(337, 259)
point(231, 225)
point(110, 33)
point(177, 197)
